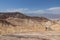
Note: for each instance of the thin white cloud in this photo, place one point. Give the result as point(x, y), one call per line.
point(17, 10)
point(54, 10)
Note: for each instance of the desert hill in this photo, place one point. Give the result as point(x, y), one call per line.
point(15, 22)
point(11, 14)
point(19, 15)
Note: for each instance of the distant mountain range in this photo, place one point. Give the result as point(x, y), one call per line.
point(47, 15)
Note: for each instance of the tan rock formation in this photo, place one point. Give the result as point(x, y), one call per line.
point(17, 22)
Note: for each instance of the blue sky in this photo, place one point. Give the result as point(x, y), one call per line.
point(31, 6)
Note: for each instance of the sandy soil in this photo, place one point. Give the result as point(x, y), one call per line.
point(32, 36)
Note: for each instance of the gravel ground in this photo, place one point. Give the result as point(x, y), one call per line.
point(32, 36)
